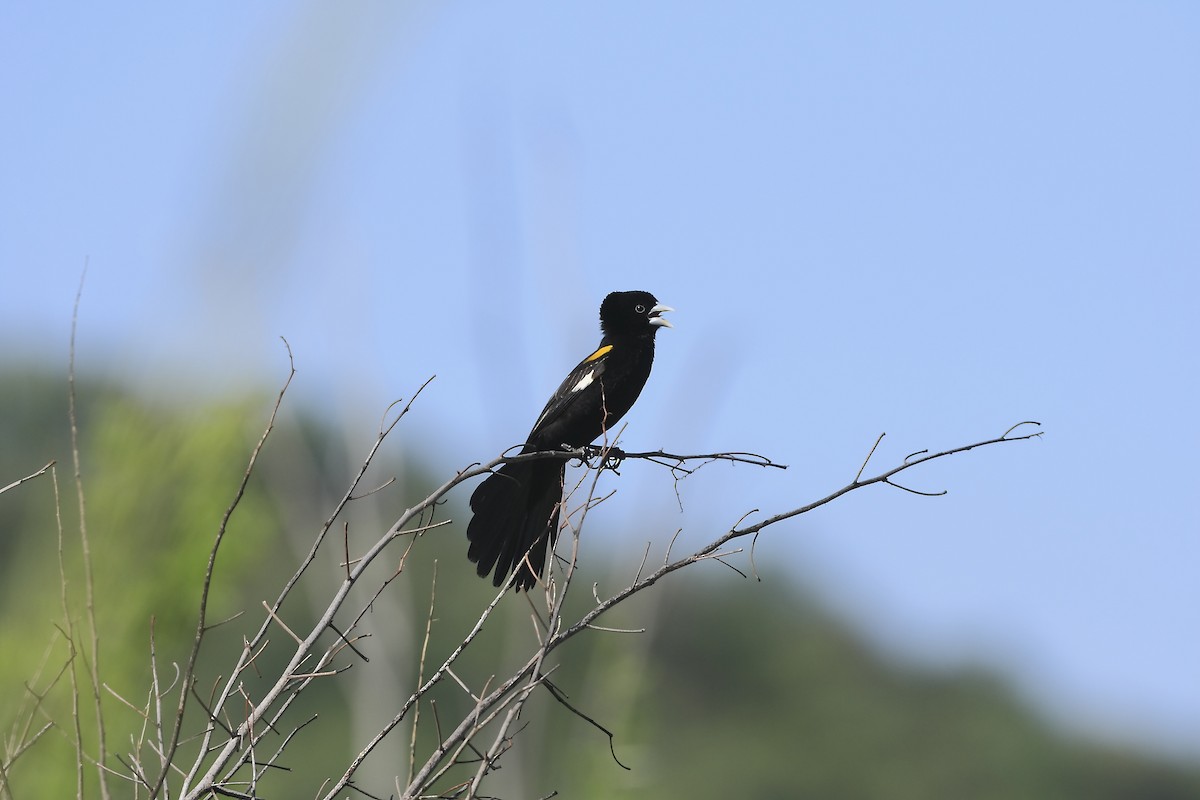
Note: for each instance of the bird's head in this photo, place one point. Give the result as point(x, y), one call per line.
point(632, 313)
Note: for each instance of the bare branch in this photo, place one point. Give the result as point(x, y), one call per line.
point(68, 632)
point(916, 491)
point(271, 613)
point(610, 457)
point(868, 458)
point(412, 748)
point(19, 481)
point(562, 699)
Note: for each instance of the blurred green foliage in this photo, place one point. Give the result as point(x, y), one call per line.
point(737, 689)
point(157, 481)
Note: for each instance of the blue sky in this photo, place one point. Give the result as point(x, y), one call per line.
point(931, 219)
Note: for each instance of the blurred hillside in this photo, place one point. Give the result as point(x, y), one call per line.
point(737, 688)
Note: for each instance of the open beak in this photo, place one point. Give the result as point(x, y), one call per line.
point(660, 321)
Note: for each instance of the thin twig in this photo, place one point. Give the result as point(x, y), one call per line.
point(271, 613)
point(156, 697)
point(561, 698)
point(89, 586)
point(868, 458)
point(412, 748)
point(68, 632)
point(19, 481)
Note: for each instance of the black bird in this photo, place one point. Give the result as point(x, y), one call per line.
point(517, 507)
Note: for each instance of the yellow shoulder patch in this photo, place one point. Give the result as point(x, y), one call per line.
point(603, 351)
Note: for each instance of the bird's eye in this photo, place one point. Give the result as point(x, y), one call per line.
point(639, 308)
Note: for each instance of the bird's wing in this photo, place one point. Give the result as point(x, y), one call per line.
point(585, 374)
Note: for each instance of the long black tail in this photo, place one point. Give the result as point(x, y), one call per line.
point(516, 521)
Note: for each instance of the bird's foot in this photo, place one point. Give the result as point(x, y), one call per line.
point(608, 457)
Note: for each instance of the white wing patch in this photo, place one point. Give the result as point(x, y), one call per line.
point(584, 382)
